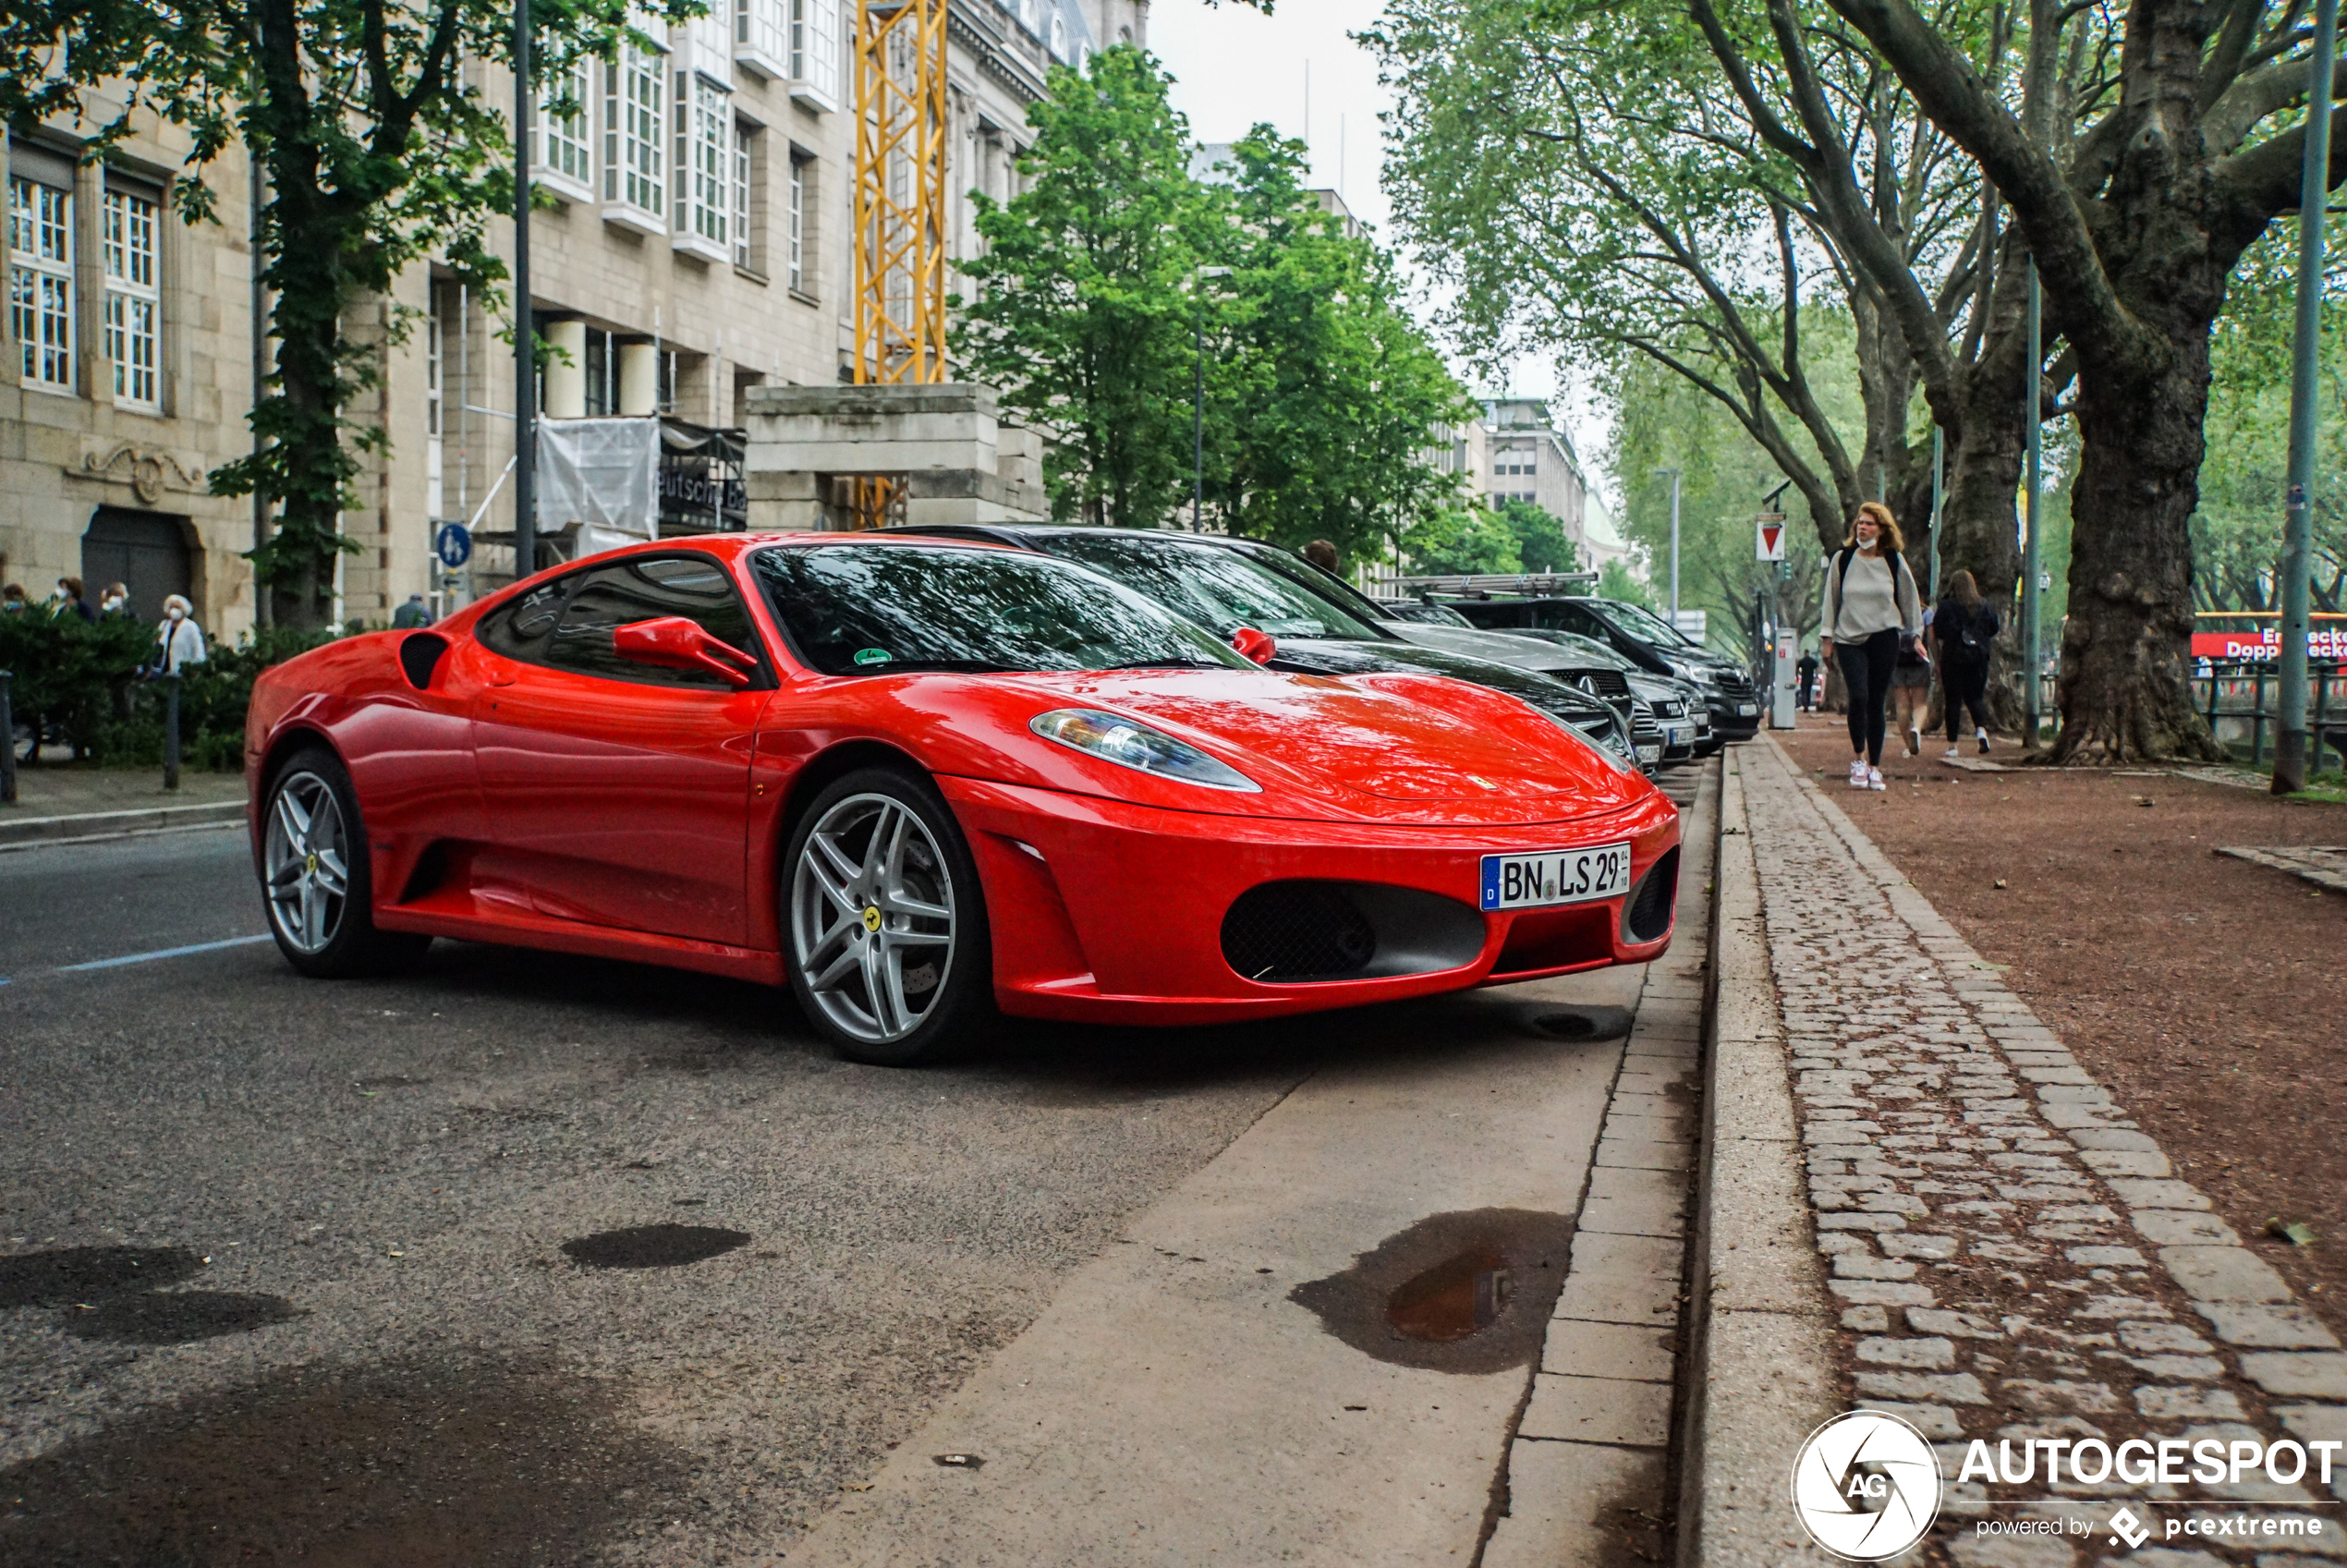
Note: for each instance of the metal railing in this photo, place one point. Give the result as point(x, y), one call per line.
point(2237, 694)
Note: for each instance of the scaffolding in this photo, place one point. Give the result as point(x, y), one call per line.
point(899, 216)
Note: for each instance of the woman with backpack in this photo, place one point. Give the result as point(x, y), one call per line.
point(1872, 611)
point(1965, 630)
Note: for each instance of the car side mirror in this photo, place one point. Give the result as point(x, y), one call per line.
point(1254, 644)
point(677, 642)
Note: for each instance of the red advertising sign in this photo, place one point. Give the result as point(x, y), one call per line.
point(2324, 643)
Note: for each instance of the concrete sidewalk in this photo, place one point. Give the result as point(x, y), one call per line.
point(1231, 1381)
point(2004, 1253)
point(68, 804)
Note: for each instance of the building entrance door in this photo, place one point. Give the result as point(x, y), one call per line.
point(147, 551)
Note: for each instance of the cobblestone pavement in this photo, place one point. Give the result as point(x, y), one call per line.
point(2011, 1255)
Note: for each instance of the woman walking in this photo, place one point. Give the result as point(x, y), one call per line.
point(1965, 630)
point(1911, 691)
point(1871, 613)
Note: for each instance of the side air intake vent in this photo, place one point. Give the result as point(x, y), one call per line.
point(1647, 918)
point(420, 656)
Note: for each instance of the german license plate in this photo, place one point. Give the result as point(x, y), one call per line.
point(1678, 734)
point(1650, 753)
point(1747, 709)
point(1555, 876)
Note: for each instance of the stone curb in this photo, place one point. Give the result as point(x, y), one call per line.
point(83, 827)
point(1760, 1364)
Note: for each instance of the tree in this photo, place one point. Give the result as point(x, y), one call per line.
point(1087, 304)
point(1614, 581)
point(1541, 540)
point(1464, 540)
point(1325, 389)
point(378, 153)
point(2136, 216)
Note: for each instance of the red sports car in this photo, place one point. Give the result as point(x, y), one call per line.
point(926, 781)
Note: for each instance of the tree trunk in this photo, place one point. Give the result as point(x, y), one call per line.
point(2125, 692)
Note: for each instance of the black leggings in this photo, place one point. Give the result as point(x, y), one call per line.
point(1866, 671)
point(1964, 685)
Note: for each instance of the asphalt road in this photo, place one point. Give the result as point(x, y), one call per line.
point(526, 1258)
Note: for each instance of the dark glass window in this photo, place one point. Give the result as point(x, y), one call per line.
point(1217, 588)
point(646, 589)
point(520, 629)
point(891, 609)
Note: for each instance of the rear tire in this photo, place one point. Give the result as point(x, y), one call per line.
point(883, 919)
point(316, 882)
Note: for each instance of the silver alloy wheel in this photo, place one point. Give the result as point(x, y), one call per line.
point(871, 918)
point(308, 857)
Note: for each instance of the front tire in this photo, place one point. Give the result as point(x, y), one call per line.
point(315, 881)
point(884, 922)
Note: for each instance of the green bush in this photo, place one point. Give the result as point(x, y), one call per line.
point(88, 679)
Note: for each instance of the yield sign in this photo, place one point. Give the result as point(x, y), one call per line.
point(1769, 545)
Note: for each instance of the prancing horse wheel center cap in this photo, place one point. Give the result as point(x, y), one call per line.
point(310, 864)
point(871, 918)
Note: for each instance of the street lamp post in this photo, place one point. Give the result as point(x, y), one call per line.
point(1674, 543)
point(2297, 551)
point(525, 322)
point(1198, 410)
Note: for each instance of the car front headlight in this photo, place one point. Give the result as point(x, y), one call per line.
point(1130, 744)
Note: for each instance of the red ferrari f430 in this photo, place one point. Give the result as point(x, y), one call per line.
point(926, 783)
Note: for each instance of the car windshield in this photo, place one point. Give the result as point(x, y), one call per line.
point(1588, 648)
point(1219, 588)
point(888, 609)
point(1641, 623)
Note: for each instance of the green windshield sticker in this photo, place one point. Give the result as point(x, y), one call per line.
point(871, 656)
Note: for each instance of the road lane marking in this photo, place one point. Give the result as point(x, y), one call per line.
point(161, 953)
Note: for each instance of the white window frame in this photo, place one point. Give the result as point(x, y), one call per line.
point(1031, 17)
point(814, 53)
point(636, 139)
point(704, 184)
point(744, 151)
point(40, 302)
point(562, 155)
point(1059, 36)
point(762, 37)
point(794, 253)
point(134, 298)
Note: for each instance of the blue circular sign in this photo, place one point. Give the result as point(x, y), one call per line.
point(452, 545)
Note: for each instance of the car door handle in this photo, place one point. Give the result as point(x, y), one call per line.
point(502, 677)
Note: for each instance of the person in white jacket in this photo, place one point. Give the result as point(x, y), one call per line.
point(178, 640)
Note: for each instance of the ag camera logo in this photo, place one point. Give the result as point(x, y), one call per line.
point(1865, 1485)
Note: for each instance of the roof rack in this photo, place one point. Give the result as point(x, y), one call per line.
point(1485, 583)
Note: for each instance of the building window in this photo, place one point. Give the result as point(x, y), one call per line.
point(633, 126)
point(562, 148)
point(704, 159)
point(759, 29)
point(40, 281)
point(743, 133)
point(814, 43)
point(133, 300)
point(795, 262)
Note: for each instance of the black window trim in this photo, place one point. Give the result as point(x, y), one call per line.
point(763, 677)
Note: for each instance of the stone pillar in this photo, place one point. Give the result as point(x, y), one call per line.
point(960, 463)
point(639, 380)
point(566, 370)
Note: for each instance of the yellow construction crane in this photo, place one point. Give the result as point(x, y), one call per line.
point(899, 212)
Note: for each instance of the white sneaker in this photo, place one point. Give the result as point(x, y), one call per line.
point(1951, 754)
point(1874, 779)
point(1857, 775)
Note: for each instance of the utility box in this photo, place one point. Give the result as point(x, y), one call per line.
point(1781, 677)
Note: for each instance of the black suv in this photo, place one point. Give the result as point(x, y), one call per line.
point(1637, 634)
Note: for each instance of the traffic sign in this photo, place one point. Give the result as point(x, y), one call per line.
point(452, 545)
point(1769, 537)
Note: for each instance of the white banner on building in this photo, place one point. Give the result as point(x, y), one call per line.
point(604, 475)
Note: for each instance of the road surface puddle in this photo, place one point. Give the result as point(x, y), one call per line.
point(472, 1463)
point(653, 1247)
point(1467, 1291)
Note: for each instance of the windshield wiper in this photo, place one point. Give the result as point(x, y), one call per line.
point(1169, 664)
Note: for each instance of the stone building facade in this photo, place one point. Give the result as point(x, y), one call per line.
point(1530, 457)
point(699, 246)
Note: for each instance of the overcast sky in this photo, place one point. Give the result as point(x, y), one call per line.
point(1233, 66)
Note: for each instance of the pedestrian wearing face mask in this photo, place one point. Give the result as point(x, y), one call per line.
point(114, 602)
point(70, 601)
point(178, 641)
point(1872, 612)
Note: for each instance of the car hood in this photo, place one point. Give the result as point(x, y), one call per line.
point(1383, 746)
